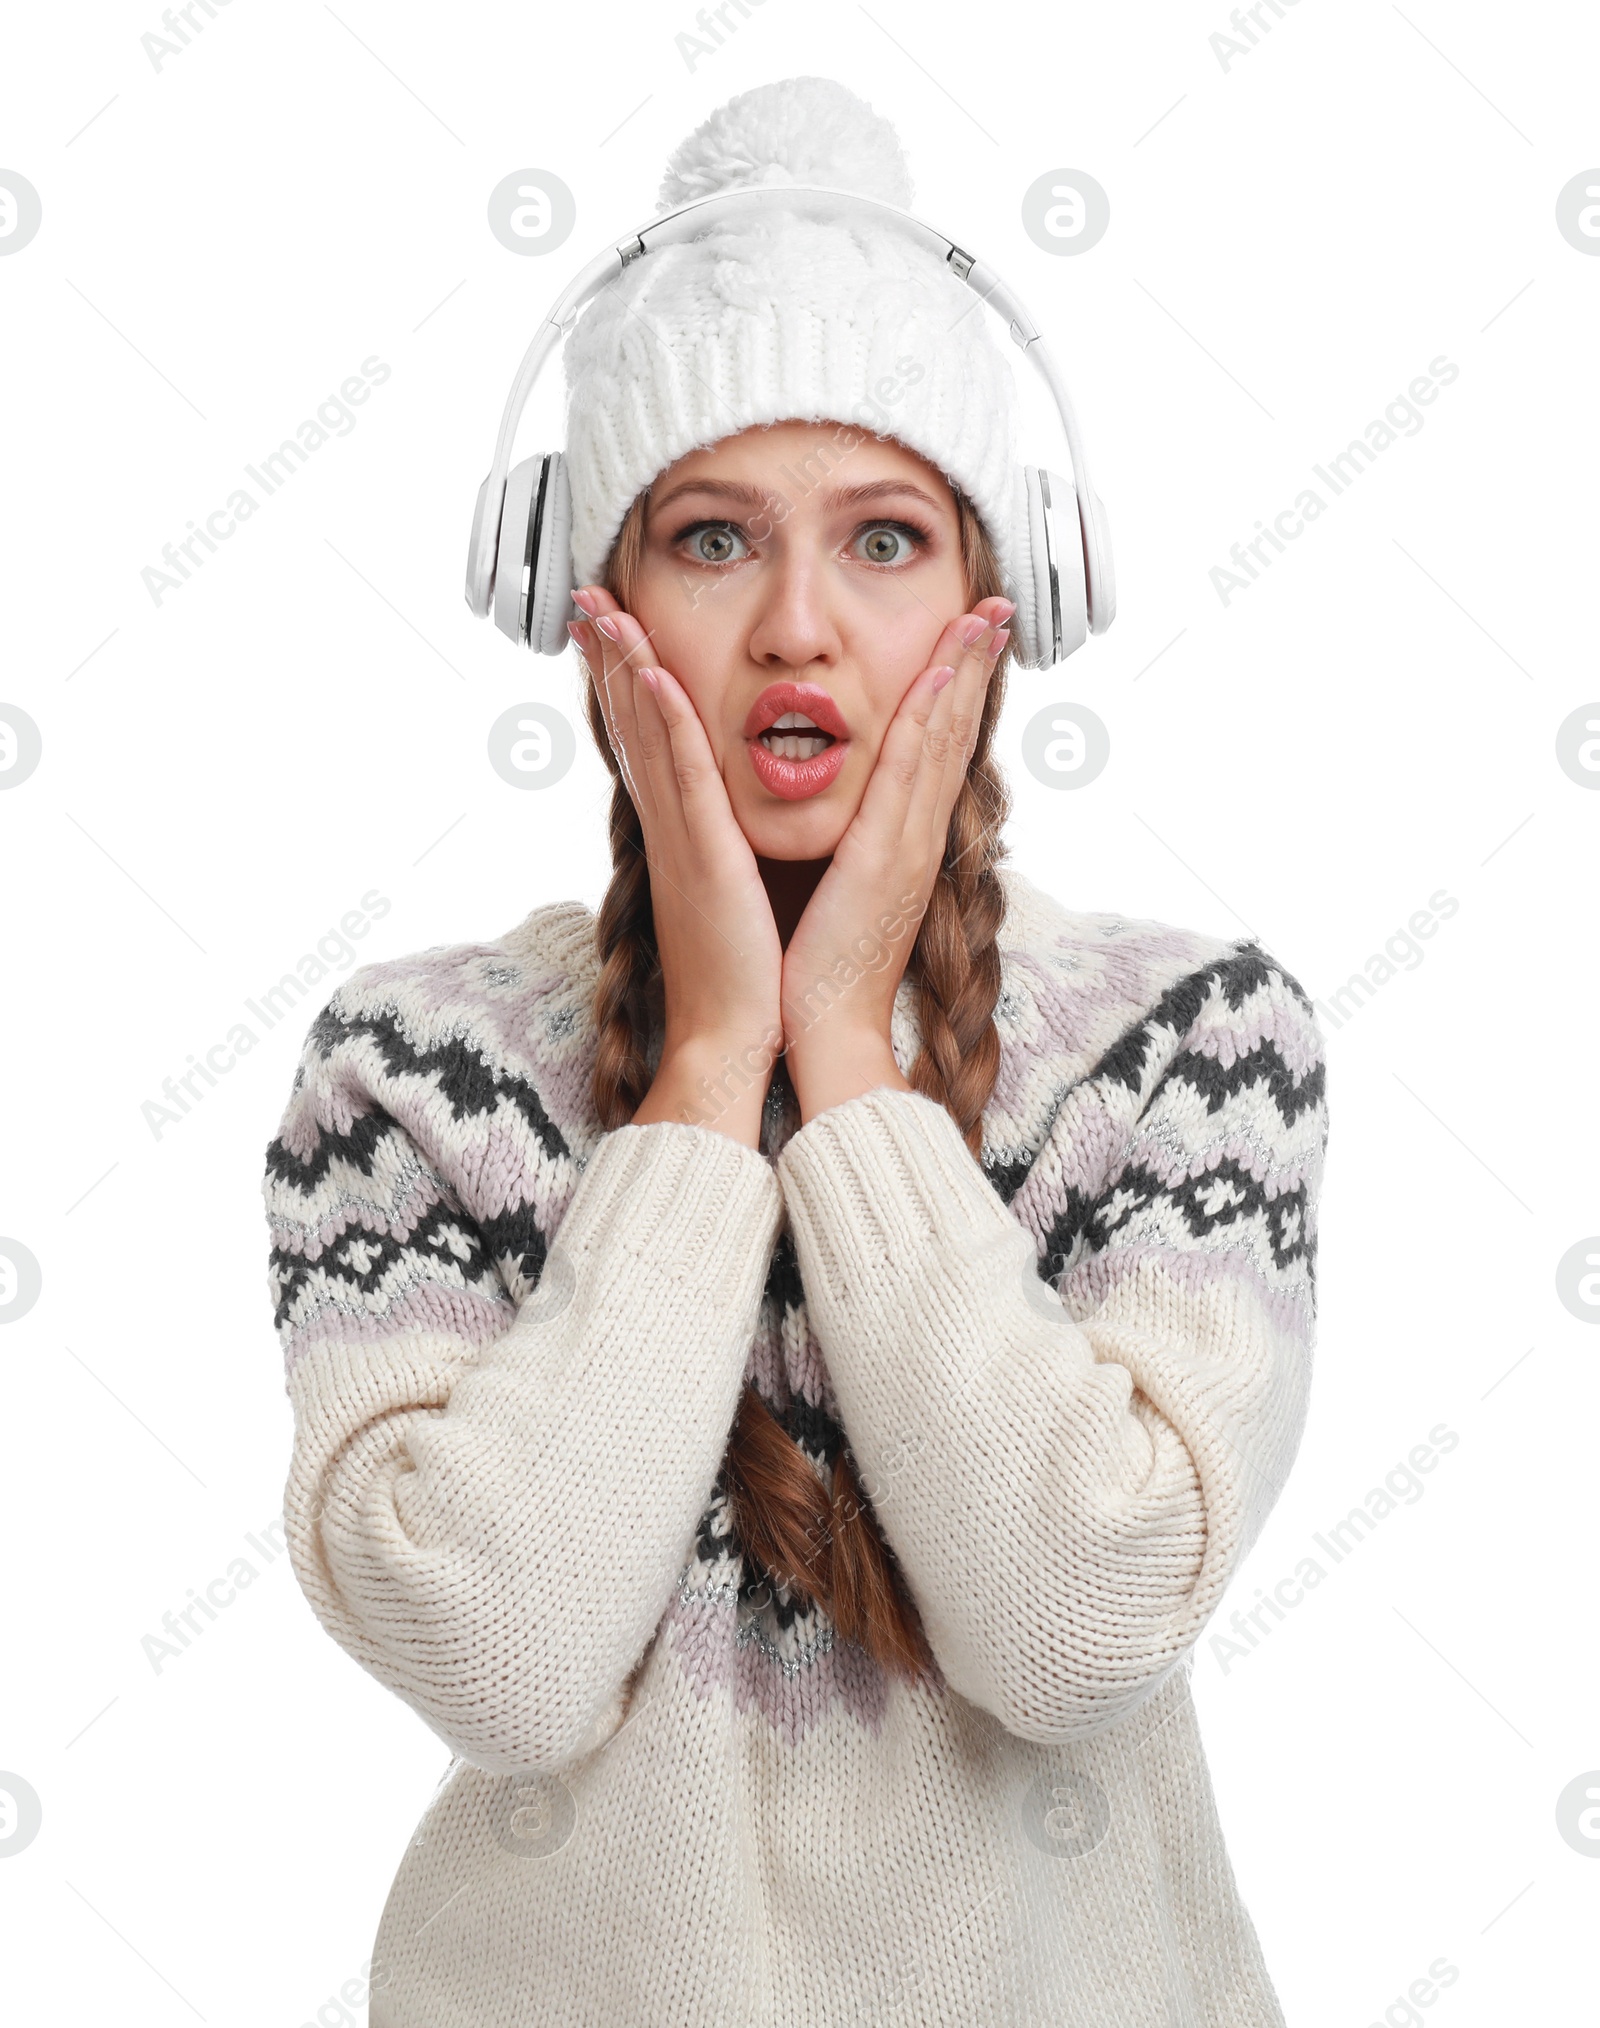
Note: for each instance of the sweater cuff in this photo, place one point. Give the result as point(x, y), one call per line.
point(876, 1179)
point(687, 1203)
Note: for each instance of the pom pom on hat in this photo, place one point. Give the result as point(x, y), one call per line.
point(798, 130)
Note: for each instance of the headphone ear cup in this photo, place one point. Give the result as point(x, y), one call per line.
point(513, 560)
point(480, 571)
point(1104, 604)
point(533, 561)
point(1027, 522)
point(1052, 569)
point(550, 599)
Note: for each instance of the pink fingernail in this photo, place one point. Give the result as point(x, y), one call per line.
point(969, 630)
point(941, 676)
point(647, 675)
point(609, 627)
point(999, 641)
point(585, 599)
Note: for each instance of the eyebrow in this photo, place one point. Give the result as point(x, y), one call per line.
point(838, 496)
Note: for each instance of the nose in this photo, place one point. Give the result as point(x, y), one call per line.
point(794, 624)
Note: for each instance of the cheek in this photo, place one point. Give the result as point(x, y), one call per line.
point(707, 693)
point(686, 639)
point(900, 653)
point(900, 634)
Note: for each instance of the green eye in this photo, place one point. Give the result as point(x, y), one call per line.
point(711, 541)
point(889, 544)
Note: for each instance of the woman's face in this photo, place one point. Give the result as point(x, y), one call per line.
point(808, 552)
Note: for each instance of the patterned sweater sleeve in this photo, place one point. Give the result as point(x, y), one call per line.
point(500, 1457)
point(1070, 1449)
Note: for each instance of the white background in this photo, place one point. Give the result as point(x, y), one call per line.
point(1293, 239)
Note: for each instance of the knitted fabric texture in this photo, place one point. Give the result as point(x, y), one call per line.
point(771, 316)
point(1072, 1377)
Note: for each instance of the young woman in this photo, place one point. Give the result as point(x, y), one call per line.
point(785, 1367)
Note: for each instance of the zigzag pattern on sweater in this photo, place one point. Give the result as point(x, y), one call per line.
point(499, 1256)
point(1230, 1191)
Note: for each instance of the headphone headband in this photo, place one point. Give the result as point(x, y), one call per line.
point(686, 223)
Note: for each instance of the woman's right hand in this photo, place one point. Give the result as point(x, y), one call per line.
point(721, 956)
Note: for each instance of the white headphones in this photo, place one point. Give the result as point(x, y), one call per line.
point(521, 554)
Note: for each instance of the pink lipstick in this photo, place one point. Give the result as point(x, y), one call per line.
point(785, 776)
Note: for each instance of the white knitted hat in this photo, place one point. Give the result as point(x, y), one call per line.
point(777, 315)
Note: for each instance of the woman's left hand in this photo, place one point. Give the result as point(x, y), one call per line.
point(862, 919)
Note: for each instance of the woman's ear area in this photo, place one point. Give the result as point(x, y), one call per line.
point(619, 575)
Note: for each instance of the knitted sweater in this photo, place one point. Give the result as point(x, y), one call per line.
point(1072, 1378)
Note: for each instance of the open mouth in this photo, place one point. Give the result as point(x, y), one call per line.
point(798, 739)
point(795, 737)
point(790, 709)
